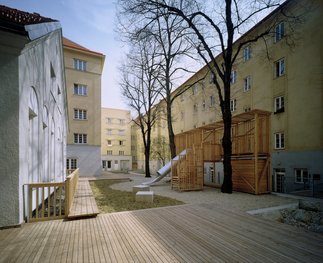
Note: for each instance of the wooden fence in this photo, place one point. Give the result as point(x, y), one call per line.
point(48, 201)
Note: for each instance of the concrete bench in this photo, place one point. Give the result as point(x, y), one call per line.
point(145, 196)
point(141, 187)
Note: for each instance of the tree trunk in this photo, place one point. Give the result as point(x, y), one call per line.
point(171, 135)
point(147, 167)
point(227, 145)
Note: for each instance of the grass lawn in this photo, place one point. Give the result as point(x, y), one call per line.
point(109, 200)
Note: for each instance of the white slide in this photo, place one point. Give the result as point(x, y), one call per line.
point(162, 172)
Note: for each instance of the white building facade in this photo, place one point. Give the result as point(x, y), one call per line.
point(33, 109)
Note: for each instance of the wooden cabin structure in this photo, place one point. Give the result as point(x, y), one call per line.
point(202, 164)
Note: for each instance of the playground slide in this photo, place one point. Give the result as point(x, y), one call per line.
point(162, 172)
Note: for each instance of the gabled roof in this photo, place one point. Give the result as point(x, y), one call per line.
point(16, 20)
point(70, 44)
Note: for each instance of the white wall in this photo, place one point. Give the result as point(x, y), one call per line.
point(33, 116)
point(88, 158)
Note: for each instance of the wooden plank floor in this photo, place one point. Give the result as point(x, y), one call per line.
point(187, 233)
point(84, 204)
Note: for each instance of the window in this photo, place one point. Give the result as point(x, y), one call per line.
point(79, 64)
point(109, 120)
point(195, 108)
point(279, 104)
point(194, 89)
point(203, 105)
point(80, 114)
point(301, 175)
point(247, 109)
point(122, 132)
point(212, 101)
point(80, 138)
point(279, 68)
point(121, 152)
point(182, 115)
point(109, 143)
point(109, 132)
point(279, 32)
point(121, 121)
point(247, 53)
point(80, 89)
point(279, 140)
point(233, 105)
point(121, 142)
point(233, 77)
point(109, 152)
point(247, 83)
point(71, 164)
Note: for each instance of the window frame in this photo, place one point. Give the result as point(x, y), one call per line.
point(79, 64)
point(247, 83)
point(279, 31)
point(80, 138)
point(80, 114)
point(71, 163)
point(109, 152)
point(280, 68)
point(233, 105)
point(233, 77)
point(279, 104)
point(80, 89)
point(247, 53)
point(279, 143)
point(301, 175)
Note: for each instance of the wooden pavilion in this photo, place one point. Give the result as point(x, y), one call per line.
point(203, 160)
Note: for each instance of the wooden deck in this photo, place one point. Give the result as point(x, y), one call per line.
point(187, 233)
point(84, 204)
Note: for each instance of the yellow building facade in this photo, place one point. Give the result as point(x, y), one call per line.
point(83, 69)
point(116, 139)
point(283, 76)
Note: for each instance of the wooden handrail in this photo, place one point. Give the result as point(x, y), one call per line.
point(47, 201)
point(71, 183)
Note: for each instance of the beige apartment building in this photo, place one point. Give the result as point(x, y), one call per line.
point(116, 139)
point(83, 70)
point(281, 77)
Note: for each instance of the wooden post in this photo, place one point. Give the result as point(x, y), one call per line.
point(256, 153)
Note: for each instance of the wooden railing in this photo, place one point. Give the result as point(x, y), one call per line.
point(47, 201)
point(71, 183)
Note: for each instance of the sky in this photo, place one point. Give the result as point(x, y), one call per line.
point(89, 23)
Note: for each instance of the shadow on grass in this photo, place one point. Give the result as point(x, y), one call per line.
point(109, 200)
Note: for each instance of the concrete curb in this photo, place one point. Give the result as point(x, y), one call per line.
point(293, 205)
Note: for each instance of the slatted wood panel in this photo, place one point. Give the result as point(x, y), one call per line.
point(84, 204)
point(243, 178)
point(188, 233)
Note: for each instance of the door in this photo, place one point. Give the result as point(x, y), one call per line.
point(209, 173)
point(279, 181)
point(116, 165)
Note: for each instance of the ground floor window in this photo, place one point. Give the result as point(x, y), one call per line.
point(301, 175)
point(71, 164)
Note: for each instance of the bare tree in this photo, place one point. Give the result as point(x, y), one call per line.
point(215, 26)
point(141, 90)
point(160, 150)
point(169, 33)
